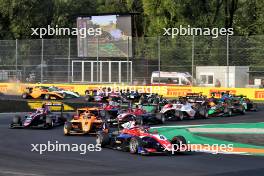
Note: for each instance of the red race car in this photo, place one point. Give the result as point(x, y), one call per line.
point(137, 139)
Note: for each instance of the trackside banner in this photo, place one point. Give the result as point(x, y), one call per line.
point(166, 91)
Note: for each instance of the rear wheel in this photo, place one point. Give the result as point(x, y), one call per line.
point(67, 128)
point(49, 122)
point(102, 139)
point(228, 111)
point(161, 118)
point(88, 98)
point(180, 115)
point(139, 120)
point(204, 112)
point(242, 109)
point(47, 97)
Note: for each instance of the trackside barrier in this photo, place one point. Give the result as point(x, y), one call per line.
point(166, 91)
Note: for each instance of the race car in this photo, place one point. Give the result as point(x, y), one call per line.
point(95, 96)
point(182, 109)
point(144, 114)
point(64, 93)
point(139, 140)
point(41, 118)
point(86, 121)
point(227, 105)
point(44, 92)
point(247, 103)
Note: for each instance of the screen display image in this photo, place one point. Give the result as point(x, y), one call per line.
point(111, 37)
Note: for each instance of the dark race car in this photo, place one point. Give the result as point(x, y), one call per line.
point(95, 96)
point(227, 105)
point(143, 114)
point(248, 104)
point(41, 118)
point(139, 140)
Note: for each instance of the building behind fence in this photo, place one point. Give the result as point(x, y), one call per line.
point(57, 61)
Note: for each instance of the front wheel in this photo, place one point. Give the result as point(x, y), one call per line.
point(179, 144)
point(67, 128)
point(24, 95)
point(161, 118)
point(134, 145)
point(16, 120)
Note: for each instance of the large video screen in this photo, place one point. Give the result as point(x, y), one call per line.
point(106, 36)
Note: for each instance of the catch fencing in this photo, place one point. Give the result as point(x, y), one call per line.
point(226, 61)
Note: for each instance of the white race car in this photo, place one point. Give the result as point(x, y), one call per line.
point(65, 93)
point(181, 110)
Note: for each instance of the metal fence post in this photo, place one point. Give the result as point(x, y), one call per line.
point(16, 60)
point(192, 58)
point(97, 60)
point(69, 60)
point(227, 60)
point(41, 64)
point(127, 60)
point(159, 57)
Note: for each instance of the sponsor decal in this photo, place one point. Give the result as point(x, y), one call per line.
point(3, 88)
point(259, 94)
point(171, 91)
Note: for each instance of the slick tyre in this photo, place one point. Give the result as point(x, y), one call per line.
point(179, 144)
point(16, 120)
point(47, 97)
point(161, 117)
point(134, 144)
point(139, 120)
point(24, 95)
point(102, 139)
point(49, 122)
point(67, 128)
point(242, 110)
point(179, 115)
point(228, 111)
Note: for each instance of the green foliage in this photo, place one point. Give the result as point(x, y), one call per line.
point(17, 17)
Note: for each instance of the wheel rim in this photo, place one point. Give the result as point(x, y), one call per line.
point(65, 130)
point(98, 140)
point(181, 116)
point(205, 114)
point(163, 119)
point(133, 146)
point(230, 112)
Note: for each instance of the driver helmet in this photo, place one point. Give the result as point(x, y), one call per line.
point(87, 114)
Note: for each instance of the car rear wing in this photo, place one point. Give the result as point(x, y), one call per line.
point(55, 104)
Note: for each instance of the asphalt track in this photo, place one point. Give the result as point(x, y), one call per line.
point(17, 159)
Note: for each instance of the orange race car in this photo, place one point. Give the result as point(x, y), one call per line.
point(45, 92)
point(86, 121)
